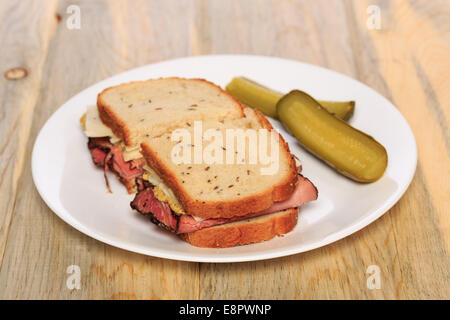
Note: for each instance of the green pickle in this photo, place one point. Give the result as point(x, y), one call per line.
point(343, 110)
point(350, 151)
point(255, 95)
point(265, 100)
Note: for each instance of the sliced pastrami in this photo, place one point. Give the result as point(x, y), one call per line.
point(187, 223)
point(110, 157)
point(304, 192)
point(146, 203)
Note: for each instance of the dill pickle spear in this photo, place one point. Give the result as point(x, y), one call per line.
point(341, 109)
point(255, 95)
point(265, 100)
point(348, 150)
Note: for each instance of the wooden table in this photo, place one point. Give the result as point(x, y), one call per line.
point(406, 60)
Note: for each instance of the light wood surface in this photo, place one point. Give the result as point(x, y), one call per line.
point(407, 61)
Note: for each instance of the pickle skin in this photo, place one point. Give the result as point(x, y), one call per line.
point(346, 149)
point(265, 99)
point(341, 109)
point(254, 95)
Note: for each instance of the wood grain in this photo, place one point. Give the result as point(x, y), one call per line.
point(406, 60)
point(19, 96)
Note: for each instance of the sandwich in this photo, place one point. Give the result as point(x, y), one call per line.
point(201, 164)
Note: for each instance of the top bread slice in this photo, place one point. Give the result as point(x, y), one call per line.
point(223, 190)
point(147, 113)
point(143, 109)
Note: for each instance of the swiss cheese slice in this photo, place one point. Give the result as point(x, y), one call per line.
point(95, 128)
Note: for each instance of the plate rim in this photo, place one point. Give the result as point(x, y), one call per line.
point(336, 236)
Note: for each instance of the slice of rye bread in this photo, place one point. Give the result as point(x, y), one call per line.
point(149, 108)
point(242, 232)
point(223, 190)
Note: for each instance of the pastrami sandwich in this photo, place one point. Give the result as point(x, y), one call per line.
point(202, 165)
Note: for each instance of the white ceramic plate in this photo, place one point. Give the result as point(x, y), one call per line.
point(75, 190)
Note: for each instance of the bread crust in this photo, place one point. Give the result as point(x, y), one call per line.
point(232, 234)
point(228, 209)
point(213, 209)
point(118, 127)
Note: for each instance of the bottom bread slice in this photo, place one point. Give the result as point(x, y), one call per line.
point(242, 232)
